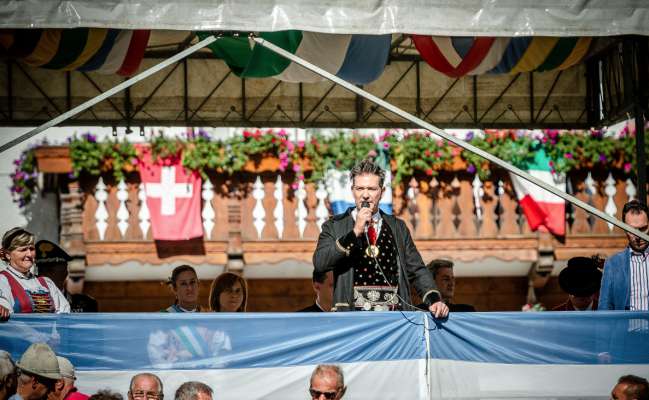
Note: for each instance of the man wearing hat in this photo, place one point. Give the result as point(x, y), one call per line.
point(38, 371)
point(52, 262)
point(581, 280)
point(64, 388)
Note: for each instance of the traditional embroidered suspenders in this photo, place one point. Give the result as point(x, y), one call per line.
point(29, 302)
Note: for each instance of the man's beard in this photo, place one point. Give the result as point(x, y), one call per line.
point(638, 245)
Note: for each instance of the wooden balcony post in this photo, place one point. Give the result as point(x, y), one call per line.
point(235, 249)
point(72, 227)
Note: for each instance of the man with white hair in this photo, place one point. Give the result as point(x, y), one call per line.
point(64, 388)
point(327, 382)
point(193, 391)
point(7, 376)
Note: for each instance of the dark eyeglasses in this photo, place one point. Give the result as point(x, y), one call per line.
point(328, 395)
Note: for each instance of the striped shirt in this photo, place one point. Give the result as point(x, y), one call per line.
point(639, 296)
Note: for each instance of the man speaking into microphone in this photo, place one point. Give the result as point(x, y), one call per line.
point(372, 255)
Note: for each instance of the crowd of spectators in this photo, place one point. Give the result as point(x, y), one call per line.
point(42, 375)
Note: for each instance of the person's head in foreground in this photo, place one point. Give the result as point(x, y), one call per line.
point(327, 382)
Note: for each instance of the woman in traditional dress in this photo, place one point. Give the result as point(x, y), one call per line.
point(20, 290)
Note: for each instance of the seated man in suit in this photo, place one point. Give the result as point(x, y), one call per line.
point(323, 285)
point(442, 271)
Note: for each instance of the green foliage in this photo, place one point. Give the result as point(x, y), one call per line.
point(414, 153)
point(340, 152)
point(417, 153)
point(93, 157)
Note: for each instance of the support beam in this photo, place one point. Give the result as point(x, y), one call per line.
point(450, 138)
point(10, 90)
point(641, 156)
point(122, 86)
point(394, 86)
point(261, 103)
point(209, 96)
point(100, 90)
point(498, 98)
point(547, 96)
point(185, 90)
point(38, 87)
point(154, 91)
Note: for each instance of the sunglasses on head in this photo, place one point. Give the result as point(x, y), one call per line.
point(328, 395)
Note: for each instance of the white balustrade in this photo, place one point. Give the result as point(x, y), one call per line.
point(411, 193)
point(101, 215)
point(590, 185)
point(122, 211)
point(321, 211)
point(208, 213)
point(610, 190)
point(630, 190)
point(478, 192)
point(258, 213)
point(143, 215)
point(278, 212)
point(301, 211)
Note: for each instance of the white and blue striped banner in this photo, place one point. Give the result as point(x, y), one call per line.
point(388, 355)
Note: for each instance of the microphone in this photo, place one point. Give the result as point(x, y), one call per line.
point(366, 204)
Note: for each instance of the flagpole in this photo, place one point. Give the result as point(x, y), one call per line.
point(467, 146)
point(130, 82)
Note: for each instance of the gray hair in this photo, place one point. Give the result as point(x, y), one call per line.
point(367, 166)
point(146, 375)
point(7, 366)
point(323, 369)
point(106, 394)
point(437, 264)
point(190, 390)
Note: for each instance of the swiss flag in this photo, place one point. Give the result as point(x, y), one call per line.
point(173, 197)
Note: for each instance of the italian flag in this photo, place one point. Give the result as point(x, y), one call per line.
point(542, 209)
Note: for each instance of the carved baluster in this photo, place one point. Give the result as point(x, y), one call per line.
point(489, 201)
point(144, 216)
point(590, 191)
point(456, 210)
point(499, 210)
point(610, 190)
point(570, 209)
point(101, 215)
point(208, 213)
point(258, 213)
point(631, 190)
point(122, 211)
point(435, 214)
point(278, 212)
point(301, 211)
point(478, 193)
point(413, 210)
point(321, 211)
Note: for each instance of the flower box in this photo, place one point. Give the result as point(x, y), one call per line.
point(54, 159)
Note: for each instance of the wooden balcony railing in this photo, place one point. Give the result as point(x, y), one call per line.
point(256, 216)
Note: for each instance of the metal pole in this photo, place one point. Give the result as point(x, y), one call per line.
point(452, 139)
point(130, 82)
point(641, 156)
